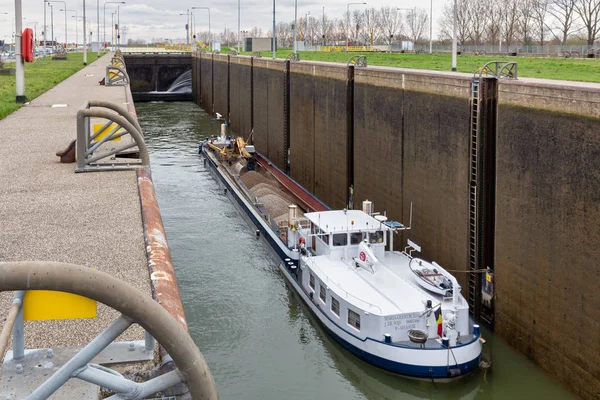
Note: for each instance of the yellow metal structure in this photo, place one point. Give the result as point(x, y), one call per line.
point(108, 130)
point(329, 49)
point(44, 305)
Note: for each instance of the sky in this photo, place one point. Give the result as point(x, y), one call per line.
point(161, 19)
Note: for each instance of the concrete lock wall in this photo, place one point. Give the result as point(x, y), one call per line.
point(150, 72)
point(221, 84)
point(547, 236)
point(207, 82)
point(408, 134)
point(318, 130)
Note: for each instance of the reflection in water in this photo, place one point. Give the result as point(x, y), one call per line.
point(259, 339)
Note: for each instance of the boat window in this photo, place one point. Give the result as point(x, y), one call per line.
point(376, 237)
point(313, 228)
point(335, 306)
point(325, 238)
point(322, 293)
point(354, 319)
point(356, 237)
point(340, 239)
point(311, 281)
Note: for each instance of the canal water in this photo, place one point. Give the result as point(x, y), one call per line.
point(257, 336)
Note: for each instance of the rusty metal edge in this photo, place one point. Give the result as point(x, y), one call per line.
point(163, 281)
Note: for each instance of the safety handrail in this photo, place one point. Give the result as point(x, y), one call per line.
point(88, 150)
point(498, 69)
point(116, 76)
point(9, 323)
point(357, 61)
point(134, 306)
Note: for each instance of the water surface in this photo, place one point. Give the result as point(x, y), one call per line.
point(258, 338)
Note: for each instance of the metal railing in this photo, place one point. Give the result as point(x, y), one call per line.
point(134, 306)
point(357, 61)
point(499, 70)
point(93, 150)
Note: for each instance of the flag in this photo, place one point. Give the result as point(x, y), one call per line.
point(438, 320)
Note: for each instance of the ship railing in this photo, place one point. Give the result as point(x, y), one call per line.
point(329, 282)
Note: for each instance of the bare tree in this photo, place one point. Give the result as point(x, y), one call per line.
point(564, 13)
point(589, 12)
point(526, 20)
point(494, 18)
point(416, 22)
point(464, 26)
point(391, 23)
point(479, 17)
point(540, 15)
point(510, 19)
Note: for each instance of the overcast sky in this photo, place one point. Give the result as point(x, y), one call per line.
point(159, 18)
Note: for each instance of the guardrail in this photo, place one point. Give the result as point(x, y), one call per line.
point(134, 306)
point(93, 150)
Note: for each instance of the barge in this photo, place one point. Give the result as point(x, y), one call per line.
point(388, 308)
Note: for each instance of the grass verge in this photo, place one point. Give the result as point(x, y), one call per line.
point(40, 76)
point(569, 69)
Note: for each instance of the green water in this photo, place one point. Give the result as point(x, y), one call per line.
point(259, 339)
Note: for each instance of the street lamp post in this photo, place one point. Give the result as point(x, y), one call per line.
point(454, 40)
point(295, 26)
point(430, 26)
point(20, 66)
point(76, 30)
point(238, 49)
point(104, 23)
point(305, 26)
point(348, 25)
point(112, 29)
point(118, 26)
point(51, 24)
point(323, 29)
point(65, 10)
point(44, 28)
point(84, 37)
point(209, 34)
point(273, 46)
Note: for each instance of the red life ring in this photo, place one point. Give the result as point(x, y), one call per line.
point(27, 45)
point(363, 256)
point(301, 241)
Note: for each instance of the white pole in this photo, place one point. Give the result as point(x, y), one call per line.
point(323, 29)
point(98, 24)
point(84, 37)
point(238, 49)
point(273, 42)
point(454, 40)
point(66, 41)
point(44, 28)
point(347, 26)
point(20, 70)
point(431, 27)
point(52, 24)
point(118, 26)
point(295, 26)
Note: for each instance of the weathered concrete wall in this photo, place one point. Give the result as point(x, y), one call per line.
point(318, 130)
point(150, 72)
point(221, 84)
point(207, 82)
point(268, 109)
point(411, 144)
point(240, 96)
point(547, 236)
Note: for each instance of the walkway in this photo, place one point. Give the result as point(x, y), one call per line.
point(47, 212)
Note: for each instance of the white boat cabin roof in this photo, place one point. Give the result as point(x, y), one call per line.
point(345, 221)
point(392, 289)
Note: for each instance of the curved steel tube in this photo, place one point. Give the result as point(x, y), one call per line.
point(124, 122)
point(119, 109)
point(119, 68)
point(96, 285)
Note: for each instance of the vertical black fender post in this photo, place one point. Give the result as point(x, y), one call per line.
point(487, 183)
point(286, 116)
point(228, 116)
point(212, 83)
point(200, 80)
point(252, 98)
point(350, 134)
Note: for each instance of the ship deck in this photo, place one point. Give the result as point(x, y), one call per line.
point(392, 289)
